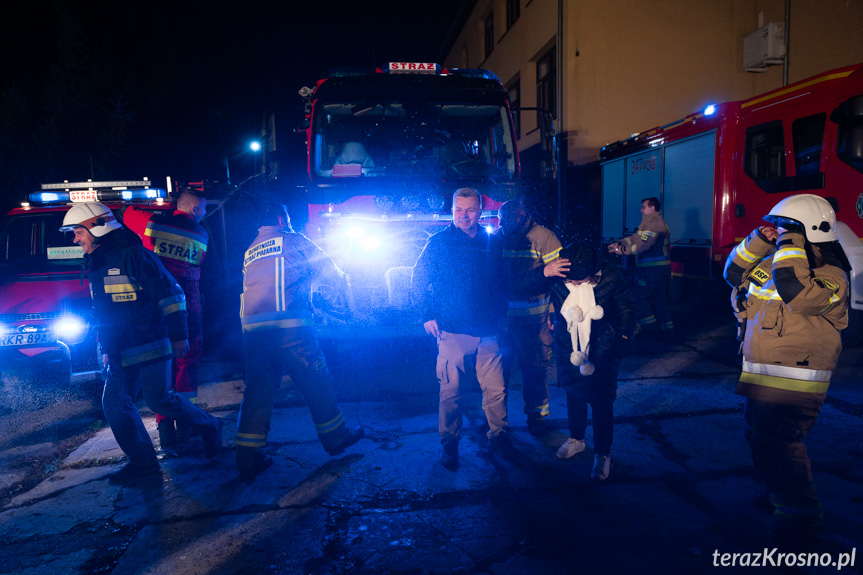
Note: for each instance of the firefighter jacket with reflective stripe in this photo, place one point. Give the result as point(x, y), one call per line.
point(649, 244)
point(178, 239)
point(279, 270)
point(522, 254)
point(458, 281)
point(138, 306)
point(793, 313)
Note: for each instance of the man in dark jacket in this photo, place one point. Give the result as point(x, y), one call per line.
point(457, 281)
point(594, 324)
point(141, 320)
point(180, 241)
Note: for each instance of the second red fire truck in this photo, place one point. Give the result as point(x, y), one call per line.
point(717, 172)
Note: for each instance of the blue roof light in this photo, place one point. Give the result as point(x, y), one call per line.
point(710, 110)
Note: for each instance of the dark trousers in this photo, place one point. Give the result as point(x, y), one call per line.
point(118, 403)
point(651, 296)
point(603, 422)
point(531, 341)
point(598, 389)
point(303, 360)
point(775, 433)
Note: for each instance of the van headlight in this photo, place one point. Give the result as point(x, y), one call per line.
point(70, 329)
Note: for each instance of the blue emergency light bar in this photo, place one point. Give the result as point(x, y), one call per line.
point(76, 192)
point(474, 73)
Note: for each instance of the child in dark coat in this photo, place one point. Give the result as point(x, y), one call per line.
point(593, 328)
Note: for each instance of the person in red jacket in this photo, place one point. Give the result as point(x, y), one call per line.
point(180, 241)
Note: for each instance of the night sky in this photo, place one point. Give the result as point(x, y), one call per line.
point(189, 82)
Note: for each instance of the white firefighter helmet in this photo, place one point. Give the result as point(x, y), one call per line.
point(813, 213)
point(96, 218)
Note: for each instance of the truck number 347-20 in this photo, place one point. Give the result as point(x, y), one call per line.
point(638, 165)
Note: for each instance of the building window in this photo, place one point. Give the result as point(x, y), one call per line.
point(515, 103)
point(545, 83)
point(512, 11)
point(489, 35)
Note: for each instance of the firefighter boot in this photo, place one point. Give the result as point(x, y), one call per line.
point(213, 440)
point(167, 433)
point(260, 462)
point(184, 432)
point(356, 434)
point(130, 473)
point(538, 427)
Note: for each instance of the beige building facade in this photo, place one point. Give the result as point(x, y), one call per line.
point(625, 66)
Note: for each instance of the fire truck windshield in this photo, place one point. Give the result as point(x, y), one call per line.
point(34, 241)
point(442, 140)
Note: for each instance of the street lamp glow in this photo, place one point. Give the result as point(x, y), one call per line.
point(255, 146)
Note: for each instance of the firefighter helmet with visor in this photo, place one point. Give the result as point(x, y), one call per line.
point(812, 213)
point(96, 218)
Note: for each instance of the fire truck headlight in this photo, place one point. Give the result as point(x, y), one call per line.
point(70, 328)
point(370, 243)
point(489, 229)
point(355, 233)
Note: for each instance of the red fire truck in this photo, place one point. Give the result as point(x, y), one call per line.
point(717, 172)
point(386, 150)
point(44, 293)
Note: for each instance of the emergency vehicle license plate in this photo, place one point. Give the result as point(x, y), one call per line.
point(27, 339)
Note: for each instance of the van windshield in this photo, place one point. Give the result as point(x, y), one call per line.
point(33, 242)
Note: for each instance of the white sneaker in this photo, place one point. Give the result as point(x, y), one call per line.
point(601, 467)
point(570, 448)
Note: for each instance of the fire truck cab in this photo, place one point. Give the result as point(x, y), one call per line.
point(717, 172)
point(386, 149)
point(45, 322)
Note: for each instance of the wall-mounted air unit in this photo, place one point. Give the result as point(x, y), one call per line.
point(764, 47)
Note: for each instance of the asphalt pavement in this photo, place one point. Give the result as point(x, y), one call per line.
point(679, 498)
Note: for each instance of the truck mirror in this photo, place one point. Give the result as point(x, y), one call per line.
point(854, 108)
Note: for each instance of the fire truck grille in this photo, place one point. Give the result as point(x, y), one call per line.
point(13, 317)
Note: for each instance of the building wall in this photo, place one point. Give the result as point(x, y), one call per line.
point(630, 65)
